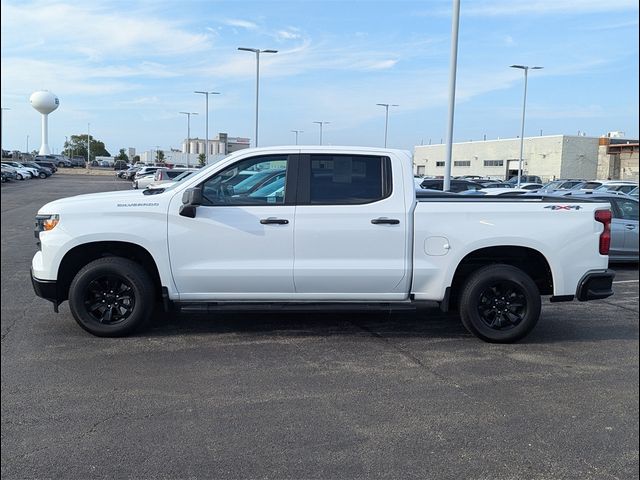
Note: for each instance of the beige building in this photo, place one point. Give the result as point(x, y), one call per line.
point(222, 144)
point(549, 157)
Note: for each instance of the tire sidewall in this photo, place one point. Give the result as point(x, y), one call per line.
point(130, 271)
point(481, 280)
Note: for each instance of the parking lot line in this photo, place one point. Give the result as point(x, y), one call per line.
point(626, 281)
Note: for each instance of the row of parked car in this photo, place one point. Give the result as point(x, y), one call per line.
point(25, 170)
point(527, 184)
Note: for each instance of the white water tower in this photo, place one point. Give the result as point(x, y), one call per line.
point(44, 102)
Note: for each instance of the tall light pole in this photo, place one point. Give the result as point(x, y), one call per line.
point(257, 51)
point(386, 118)
point(524, 107)
point(1, 115)
point(453, 66)
point(206, 127)
point(321, 124)
point(27, 151)
point(297, 132)
point(188, 114)
point(88, 145)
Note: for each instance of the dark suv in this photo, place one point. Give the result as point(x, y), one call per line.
point(51, 166)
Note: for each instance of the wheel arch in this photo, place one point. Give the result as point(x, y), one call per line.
point(81, 255)
point(527, 259)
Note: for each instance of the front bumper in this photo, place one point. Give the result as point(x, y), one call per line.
point(595, 285)
point(47, 289)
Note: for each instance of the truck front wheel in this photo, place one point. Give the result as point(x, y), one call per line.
point(111, 297)
point(500, 304)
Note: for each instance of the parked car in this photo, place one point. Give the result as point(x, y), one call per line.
point(20, 173)
point(456, 185)
point(8, 173)
point(530, 186)
point(145, 170)
point(617, 186)
point(57, 160)
point(494, 184)
point(4, 176)
point(43, 172)
point(160, 176)
point(260, 179)
point(129, 173)
point(50, 165)
point(525, 179)
point(33, 172)
point(624, 225)
point(593, 184)
point(78, 162)
point(500, 191)
point(633, 193)
point(561, 184)
point(120, 165)
point(164, 184)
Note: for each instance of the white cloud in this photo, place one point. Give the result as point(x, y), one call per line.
point(287, 35)
point(235, 22)
point(93, 32)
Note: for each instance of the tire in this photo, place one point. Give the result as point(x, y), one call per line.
point(19, 176)
point(123, 285)
point(42, 175)
point(500, 304)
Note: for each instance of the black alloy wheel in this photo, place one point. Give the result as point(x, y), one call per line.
point(109, 299)
point(502, 306)
point(112, 297)
point(500, 303)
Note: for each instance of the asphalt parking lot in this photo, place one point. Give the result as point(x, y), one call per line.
point(298, 395)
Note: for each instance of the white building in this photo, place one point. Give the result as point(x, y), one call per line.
point(549, 157)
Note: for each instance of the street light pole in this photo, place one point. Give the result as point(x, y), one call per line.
point(524, 107)
point(27, 144)
point(455, 23)
point(188, 114)
point(297, 132)
point(321, 124)
point(206, 137)
point(1, 115)
point(88, 145)
point(386, 118)
point(257, 51)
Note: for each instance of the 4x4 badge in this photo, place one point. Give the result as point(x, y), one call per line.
point(564, 207)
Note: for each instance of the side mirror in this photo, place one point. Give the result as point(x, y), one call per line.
point(191, 199)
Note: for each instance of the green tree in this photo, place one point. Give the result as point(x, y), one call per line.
point(122, 155)
point(202, 158)
point(136, 159)
point(160, 156)
point(77, 146)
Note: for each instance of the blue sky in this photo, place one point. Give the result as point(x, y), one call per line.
point(129, 67)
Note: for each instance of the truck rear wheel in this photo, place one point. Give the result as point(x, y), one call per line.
point(500, 304)
point(111, 297)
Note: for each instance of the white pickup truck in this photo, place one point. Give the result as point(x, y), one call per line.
point(321, 226)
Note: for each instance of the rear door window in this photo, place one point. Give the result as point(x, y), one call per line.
point(348, 179)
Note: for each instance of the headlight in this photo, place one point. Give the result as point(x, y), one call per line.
point(44, 223)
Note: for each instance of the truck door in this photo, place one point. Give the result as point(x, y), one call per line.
point(351, 229)
point(239, 245)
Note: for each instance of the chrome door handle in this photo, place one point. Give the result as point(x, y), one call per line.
point(630, 227)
